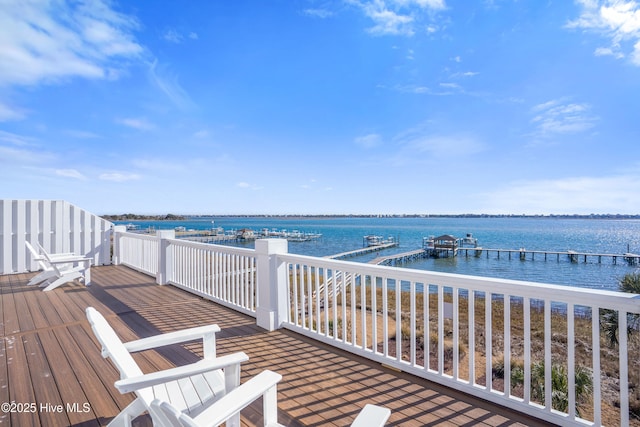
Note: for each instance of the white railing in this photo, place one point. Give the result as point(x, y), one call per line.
point(434, 325)
point(57, 225)
point(221, 274)
point(138, 251)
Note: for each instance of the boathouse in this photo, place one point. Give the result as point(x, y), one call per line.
point(445, 245)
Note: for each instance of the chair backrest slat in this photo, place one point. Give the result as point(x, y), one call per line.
point(112, 346)
point(36, 256)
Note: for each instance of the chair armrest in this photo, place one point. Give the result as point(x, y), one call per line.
point(169, 338)
point(161, 377)
point(240, 398)
point(68, 259)
point(62, 254)
point(372, 416)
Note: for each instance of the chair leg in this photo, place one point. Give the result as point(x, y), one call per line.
point(87, 276)
point(44, 275)
point(270, 407)
point(124, 418)
point(64, 279)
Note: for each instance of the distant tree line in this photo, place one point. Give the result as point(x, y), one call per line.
point(467, 215)
point(134, 217)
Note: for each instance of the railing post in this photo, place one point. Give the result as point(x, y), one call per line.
point(164, 261)
point(117, 249)
point(271, 311)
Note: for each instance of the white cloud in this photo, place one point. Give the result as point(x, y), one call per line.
point(558, 117)
point(19, 156)
point(616, 20)
point(139, 124)
point(81, 134)
point(450, 86)
point(581, 195)
point(399, 17)
point(169, 85)
point(15, 139)
point(8, 113)
point(70, 173)
point(443, 146)
point(155, 164)
point(413, 89)
point(464, 74)
point(389, 22)
point(248, 186)
point(119, 176)
point(174, 36)
point(202, 134)
point(422, 145)
point(318, 13)
point(369, 141)
point(45, 42)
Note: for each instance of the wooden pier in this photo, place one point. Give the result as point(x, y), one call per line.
point(362, 251)
point(522, 254)
point(220, 238)
point(401, 258)
point(573, 256)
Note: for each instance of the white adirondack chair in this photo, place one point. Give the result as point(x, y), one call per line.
point(58, 269)
point(47, 271)
point(189, 388)
point(263, 384)
point(68, 267)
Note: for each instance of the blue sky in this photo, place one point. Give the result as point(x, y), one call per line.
point(322, 107)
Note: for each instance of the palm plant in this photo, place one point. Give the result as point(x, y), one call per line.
point(609, 318)
point(559, 385)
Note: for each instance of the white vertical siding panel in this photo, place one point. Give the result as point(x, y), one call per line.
point(6, 254)
point(33, 230)
point(59, 230)
point(46, 225)
point(20, 226)
point(87, 233)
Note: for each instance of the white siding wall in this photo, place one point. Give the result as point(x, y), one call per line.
point(57, 225)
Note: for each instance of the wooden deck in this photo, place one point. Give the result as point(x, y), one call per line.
point(51, 367)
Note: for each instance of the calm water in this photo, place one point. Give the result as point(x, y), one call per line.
point(581, 235)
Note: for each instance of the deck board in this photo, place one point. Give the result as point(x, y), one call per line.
point(48, 354)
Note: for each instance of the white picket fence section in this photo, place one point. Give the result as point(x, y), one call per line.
point(432, 325)
point(57, 225)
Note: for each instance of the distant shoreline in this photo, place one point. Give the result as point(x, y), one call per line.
point(171, 217)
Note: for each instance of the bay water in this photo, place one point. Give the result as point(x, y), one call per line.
point(341, 234)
